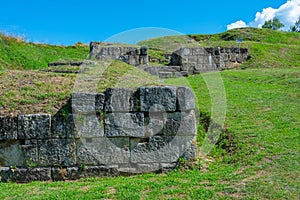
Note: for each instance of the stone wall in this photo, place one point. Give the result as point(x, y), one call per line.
point(198, 59)
point(131, 55)
point(121, 131)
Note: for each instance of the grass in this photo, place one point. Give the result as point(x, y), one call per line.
point(26, 92)
point(18, 54)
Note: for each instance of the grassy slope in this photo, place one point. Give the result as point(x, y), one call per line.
point(262, 114)
point(17, 54)
point(25, 92)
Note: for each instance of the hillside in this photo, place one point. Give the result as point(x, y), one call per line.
point(18, 54)
point(268, 48)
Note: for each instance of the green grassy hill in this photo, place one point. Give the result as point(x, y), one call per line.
point(18, 54)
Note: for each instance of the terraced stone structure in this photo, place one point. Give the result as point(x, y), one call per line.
point(131, 55)
point(121, 131)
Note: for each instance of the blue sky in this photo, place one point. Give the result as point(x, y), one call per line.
point(67, 22)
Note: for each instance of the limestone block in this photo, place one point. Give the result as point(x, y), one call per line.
point(155, 98)
point(185, 99)
point(124, 124)
point(11, 154)
point(89, 125)
point(164, 74)
point(25, 175)
point(8, 128)
point(121, 100)
point(181, 123)
point(154, 123)
point(157, 149)
point(34, 126)
point(30, 153)
point(57, 152)
point(87, 102)
point(144, 168)
point(63, 127)
point(103, 151)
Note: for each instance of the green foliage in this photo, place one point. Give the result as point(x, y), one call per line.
point(273, 24)
point(18, 54)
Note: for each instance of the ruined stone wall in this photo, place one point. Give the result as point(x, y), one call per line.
point(105, 134)
point(198, 59)
point(131, 55)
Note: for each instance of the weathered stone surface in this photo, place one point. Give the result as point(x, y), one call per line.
point(30, 153)
point(57, 152)
point(103, 151)
point(156, 97)
point(25, 175)
point(144, 168)
point(185, 99)
point(155, 149)
point(63, 126)
point(8, 128)
point(181, 123)
point(124, 124)
point(164, 74)
point(154, 123)
point(11, 154)
point(87, 102)
point(131, 55)
point(35, 126)
point(207, 59)
point(121, 100)
point(89, 125)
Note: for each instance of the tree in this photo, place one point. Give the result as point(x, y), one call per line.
point(296, 26)
point(273, 24)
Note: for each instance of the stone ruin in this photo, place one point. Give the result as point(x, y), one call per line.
point(121, 131)
point(185, 61)
point(131, 55)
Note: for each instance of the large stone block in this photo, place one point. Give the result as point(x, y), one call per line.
point(89, 125)
point(57, 152)
point(103, 151)
point(11, 154)
point(155, 98)
point(30, 153)
point(8, 128)
point(185, 99)
point(87, 102)
point(154, 123)
point(25, 175)
point(180, 123)
point(124, 124)
point(121, 100)
point(35, 126)
point(157, 149)
point(63, 126)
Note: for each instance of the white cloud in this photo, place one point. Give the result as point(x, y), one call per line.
point(237, 24)
point(287, 13)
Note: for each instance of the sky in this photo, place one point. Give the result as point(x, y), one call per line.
point(66, 22)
